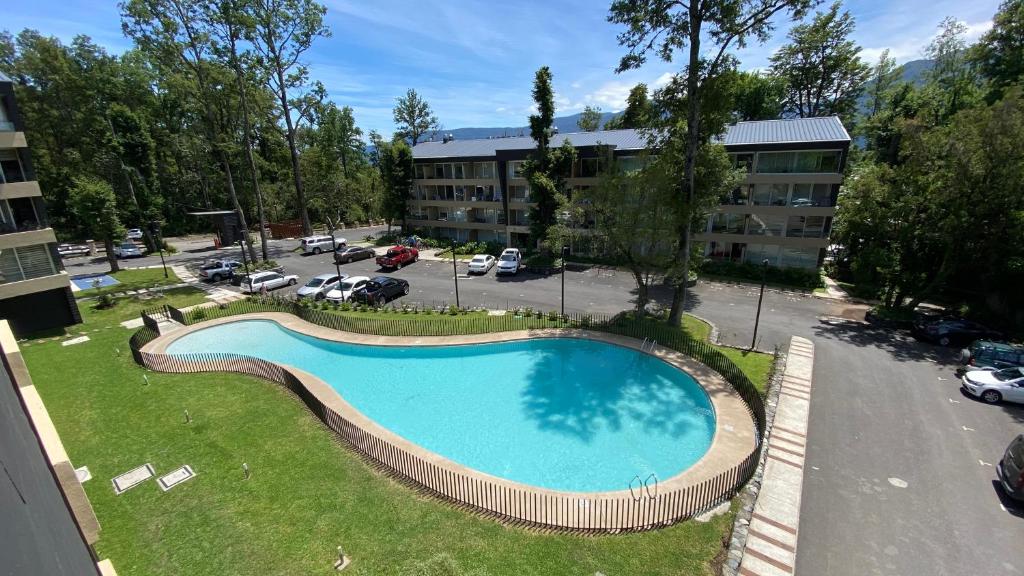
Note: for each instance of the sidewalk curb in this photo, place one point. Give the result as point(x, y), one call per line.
point(748, 496)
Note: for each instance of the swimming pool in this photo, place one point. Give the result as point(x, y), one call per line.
point(559, 413)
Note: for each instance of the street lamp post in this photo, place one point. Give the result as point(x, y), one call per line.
point(565, 256)
point(455, 270)
point(245, 261)
point(334, 254)
point(757, 318)
point(154, 230)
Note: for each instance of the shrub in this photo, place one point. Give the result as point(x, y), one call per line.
point(527, 312)
point(106, 301)
point(344, 306)
point(552, 315)
point(198, 314)
point(452, 310)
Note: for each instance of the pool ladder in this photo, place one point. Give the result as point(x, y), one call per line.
point(643, 486)
point(644, 346)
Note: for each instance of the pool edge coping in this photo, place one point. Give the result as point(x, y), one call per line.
point(735, 430)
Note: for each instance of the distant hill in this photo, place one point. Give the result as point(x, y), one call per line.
point(913, 71)
point(563, 123)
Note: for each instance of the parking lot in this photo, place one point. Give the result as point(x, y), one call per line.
point(900, 476)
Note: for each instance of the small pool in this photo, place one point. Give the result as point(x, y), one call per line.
point(559, 413)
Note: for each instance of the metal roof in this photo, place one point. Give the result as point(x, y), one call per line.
point(796, 130)
point(620, 139)
point(824, 129)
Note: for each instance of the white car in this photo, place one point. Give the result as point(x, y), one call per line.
point(348, 286)
point(509, 262)
point(127, 250)
point(992, 386)
point(319, 286)
point(481, 264)
point(256, 283)
point(134, 234)
point(318, 244)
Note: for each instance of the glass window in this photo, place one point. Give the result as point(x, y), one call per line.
point(775, 162)
point(744, 161)
point(766, 225)
point(738, 197)
point(10, 167)
point(631, 163)
point(756, 253)
point(589, 167)
point(515, 169)
point(459, 169)
point(448, 171)
point(801, 196)
point(799, 257)
point(10, 271)
point(770, 195)
point(817, 162)
point(821, 195)
point(483, 170)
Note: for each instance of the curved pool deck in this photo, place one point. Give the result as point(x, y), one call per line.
point(733, 442)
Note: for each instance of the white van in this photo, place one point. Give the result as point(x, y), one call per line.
point(509, 262)
point(318, 244)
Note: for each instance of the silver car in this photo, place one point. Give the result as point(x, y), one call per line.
point(994, 386)
point(318, 286)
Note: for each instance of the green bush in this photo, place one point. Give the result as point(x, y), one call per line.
point(452, 310)
point(797, 277)
point(198, 314)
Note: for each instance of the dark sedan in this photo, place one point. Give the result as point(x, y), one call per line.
point(352, 253)
point(951, 332)
point(381, 290)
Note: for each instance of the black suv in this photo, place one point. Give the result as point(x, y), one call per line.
point(381, 290)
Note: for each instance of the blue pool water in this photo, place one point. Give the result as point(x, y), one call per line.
point(87, 281)
point(559, 413)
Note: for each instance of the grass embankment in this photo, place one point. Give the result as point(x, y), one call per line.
point(307, 494)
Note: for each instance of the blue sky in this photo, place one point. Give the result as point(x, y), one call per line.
point(474, 60)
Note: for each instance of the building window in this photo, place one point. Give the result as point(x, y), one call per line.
point(6, 125)
point(26, 263)
point(756, 253)
point(483, 170)
point(817, 162)
point(515, 169)
point(805, 195)
point(726, 223)
point(10, 167)
point(590, 167)
point(775, 162)
point(799, 257)
point(766, 225)
point(770, 195)
point(743, 161)
point(738, 197)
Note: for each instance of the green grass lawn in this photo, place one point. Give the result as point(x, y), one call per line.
point(137, 279)
point(308, 493)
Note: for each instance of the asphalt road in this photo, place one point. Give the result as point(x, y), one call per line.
point(900, 476)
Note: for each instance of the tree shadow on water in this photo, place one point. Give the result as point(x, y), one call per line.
point(564, 396)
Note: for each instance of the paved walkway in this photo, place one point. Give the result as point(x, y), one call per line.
point(212, 292)
point(772, 537)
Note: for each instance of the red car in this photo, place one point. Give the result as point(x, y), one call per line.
point(398, 256)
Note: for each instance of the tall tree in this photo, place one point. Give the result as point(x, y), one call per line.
point(822, 67)
point(665, 27)
point(758, 96)
point(339, 135)
point(953, 81)
point(546, 168)
point(884, 77)
point(93, 202)
point(590, 119)
point(639, 112)
point(174, 32)
point(413, 117)
point(283, 31)
point(1000, 52)
point(230, 21)
point(396, 169)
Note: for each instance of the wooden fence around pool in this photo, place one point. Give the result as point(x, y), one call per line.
point(641, 510)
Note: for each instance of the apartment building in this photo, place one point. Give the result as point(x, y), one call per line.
point(474, 190)
point(35, 292)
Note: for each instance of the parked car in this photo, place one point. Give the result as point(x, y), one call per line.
point(255, 283)
point(66, 250)
point(948, 332)
point(217, 270)
point(994, 386)
point(381, 290)
point(989, 355)
point(318, 244)
point(343, 292)
point(481, 264)
point(318, 286)
point(127, 250)
point(134, 234)
point(1010, 469)
point(398, 256)
point(509, 262)
point(348, 254)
